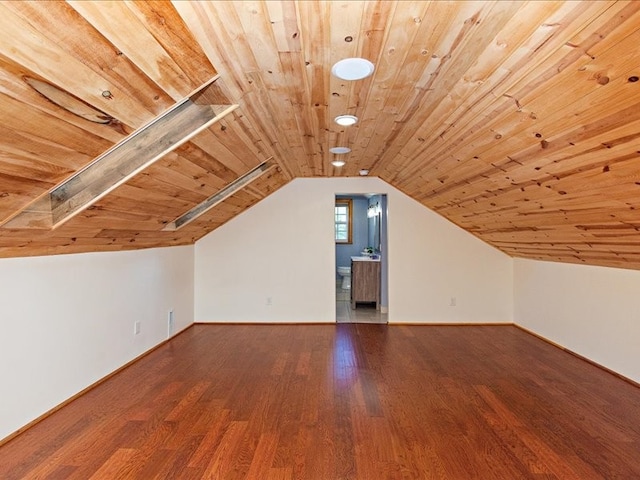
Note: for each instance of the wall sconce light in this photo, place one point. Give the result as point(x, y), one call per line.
point(374, 210)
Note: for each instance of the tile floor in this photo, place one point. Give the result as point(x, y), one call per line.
point(362, 314)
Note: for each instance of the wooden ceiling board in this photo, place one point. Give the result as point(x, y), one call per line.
point(516, 120)
point(127, 34)
point(60, 24)
point(491, 98)
point(66, 71)
point(216, 26)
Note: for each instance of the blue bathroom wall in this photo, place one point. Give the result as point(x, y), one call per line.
point(344, 252)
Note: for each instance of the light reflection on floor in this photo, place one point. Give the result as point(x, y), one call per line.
point(344, 358)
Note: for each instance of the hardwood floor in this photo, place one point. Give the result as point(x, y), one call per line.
point(346, 401)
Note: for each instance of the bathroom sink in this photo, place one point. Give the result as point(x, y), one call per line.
point(365, 259)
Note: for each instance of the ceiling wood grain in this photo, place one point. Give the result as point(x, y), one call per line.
point(518, 121)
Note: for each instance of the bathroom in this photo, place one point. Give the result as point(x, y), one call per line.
point(361, 231)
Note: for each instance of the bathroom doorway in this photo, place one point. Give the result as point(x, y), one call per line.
point(361, 236)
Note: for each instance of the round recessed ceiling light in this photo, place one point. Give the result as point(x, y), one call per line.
point(346, 120)
point(352, 69)
point(364, 172)
point(339, 150)
point(338, 163)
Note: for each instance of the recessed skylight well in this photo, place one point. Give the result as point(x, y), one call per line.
point(352, 69)
point(339, 150)
point(349, 69)
point(346, 120)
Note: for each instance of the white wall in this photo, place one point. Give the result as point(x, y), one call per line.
point(282, 249)
point(68, 321)
point(593, 311)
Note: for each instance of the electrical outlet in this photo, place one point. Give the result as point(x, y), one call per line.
point(170, 324)
point(269, 301)
point(136, 328)
point(453, 302)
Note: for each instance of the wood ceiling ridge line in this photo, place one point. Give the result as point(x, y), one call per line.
point(123, 161)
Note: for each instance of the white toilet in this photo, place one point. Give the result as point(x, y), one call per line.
point(345, 273)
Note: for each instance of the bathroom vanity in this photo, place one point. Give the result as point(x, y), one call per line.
point(365, 281)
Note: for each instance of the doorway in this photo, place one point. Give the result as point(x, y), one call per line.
point(361, 232)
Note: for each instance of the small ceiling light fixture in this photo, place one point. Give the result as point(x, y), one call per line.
point(338, 163)
point(364, 172)
point(346, 120)
point(339, 150)
point(352, 69)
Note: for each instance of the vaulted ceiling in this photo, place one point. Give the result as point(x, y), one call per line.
point(518, 121)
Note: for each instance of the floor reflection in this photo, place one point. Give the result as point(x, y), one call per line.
point(345, 364)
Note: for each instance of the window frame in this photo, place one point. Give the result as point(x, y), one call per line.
point(348, 202)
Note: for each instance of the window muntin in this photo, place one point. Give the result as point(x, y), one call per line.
point(343, 220)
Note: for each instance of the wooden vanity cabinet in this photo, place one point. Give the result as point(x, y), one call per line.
point(365, 283)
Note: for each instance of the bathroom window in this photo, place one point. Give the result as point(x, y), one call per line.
point(344, 207)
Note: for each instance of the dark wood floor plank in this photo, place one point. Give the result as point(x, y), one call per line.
point(318, 402)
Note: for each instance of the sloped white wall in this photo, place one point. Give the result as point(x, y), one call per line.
point(281, 251)
point(68, 321)
point(593, 311)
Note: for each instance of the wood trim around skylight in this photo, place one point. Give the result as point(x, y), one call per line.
point(220, 196)
point(123, 161)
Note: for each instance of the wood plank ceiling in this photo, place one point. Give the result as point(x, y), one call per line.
point(518, 121)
